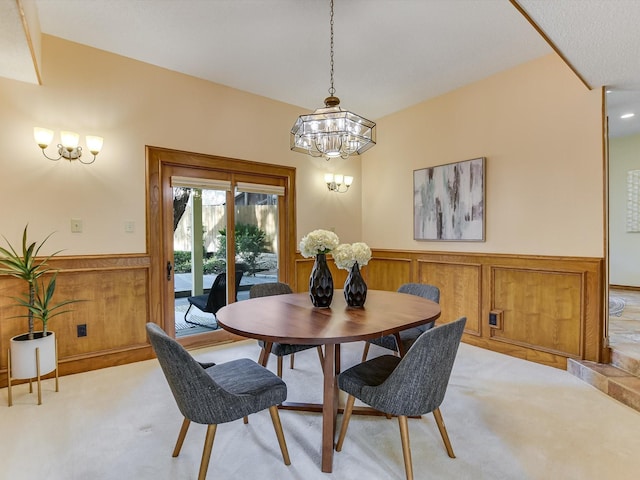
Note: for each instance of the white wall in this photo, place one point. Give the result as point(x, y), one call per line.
point(132, 104)
point(624, 247)
point(540, 130)
point(538, 126)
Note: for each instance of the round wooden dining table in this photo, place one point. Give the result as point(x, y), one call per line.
point(292, 319)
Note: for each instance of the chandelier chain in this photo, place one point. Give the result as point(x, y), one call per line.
point(332, 90)
point(331, 131)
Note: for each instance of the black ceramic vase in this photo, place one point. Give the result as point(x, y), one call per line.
point(355, 290)
point(321, 283)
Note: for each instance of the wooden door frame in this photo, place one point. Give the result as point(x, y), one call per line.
point(157, 159)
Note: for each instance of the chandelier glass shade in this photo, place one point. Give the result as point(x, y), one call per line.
point(332, 132)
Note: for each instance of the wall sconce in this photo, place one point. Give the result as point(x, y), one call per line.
point(68, 147)
point(335, 183)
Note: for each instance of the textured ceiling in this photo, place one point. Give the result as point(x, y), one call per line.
point(600, 39)
point(15, 59)
point(389, 54)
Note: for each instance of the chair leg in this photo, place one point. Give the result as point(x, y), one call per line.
point(181, 435)
point(293, 356)
point(263, 359)
point(346, 416)
point(187, 312)
point(321, 357)
point(264, 354)
point(406, 448)
point(443, 432)
point(365, 352)
point(399, 345)
point(206, 452)
point(280, 367)
point(275, 418)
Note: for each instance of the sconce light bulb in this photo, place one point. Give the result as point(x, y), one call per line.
point(69, 140)
point(42, 136)
point(348, 180)
point(94, 144)
point(339, 179)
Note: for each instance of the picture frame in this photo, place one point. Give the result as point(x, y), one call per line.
point(633, 201)
point(449, 202)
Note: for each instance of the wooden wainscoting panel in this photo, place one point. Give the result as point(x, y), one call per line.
point(541, 309)
point(460, 290)
point(339, 275)
point(387, 273)
point(381, 273)
point(10, 324)
point(554, 307)
point(114, 310)
point(303, 267)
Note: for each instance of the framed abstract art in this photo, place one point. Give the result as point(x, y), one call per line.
point(448, 201)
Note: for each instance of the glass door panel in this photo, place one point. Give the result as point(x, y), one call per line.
point(256, 235)
point(199, 244)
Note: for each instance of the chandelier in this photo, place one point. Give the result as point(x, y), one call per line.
point(332, 132)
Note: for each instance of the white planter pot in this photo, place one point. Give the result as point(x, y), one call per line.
point(23, 355)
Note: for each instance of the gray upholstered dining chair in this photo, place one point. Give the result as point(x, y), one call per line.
point(409, 386)
point(280, 350)
point(211, 394)
point(406, 337)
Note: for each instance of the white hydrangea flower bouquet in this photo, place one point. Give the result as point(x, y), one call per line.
point(346, 255)
point(318, 241)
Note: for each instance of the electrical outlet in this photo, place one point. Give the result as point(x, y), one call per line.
point(129, 226)
point(82, 330)
point(495, 319)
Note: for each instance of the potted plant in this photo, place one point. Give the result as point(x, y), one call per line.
point(33, 353)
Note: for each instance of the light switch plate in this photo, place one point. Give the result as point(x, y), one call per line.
point(76, 225)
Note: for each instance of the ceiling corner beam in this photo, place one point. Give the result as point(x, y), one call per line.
point(29, 38)
point(546, 38)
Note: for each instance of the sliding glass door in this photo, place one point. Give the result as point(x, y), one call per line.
point(210, 219)
point(217, 253)
point(199, 252)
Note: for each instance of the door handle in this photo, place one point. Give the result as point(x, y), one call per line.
point(169, 268)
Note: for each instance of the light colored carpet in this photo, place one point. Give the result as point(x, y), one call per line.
point(507, 419)
point(616, 306)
